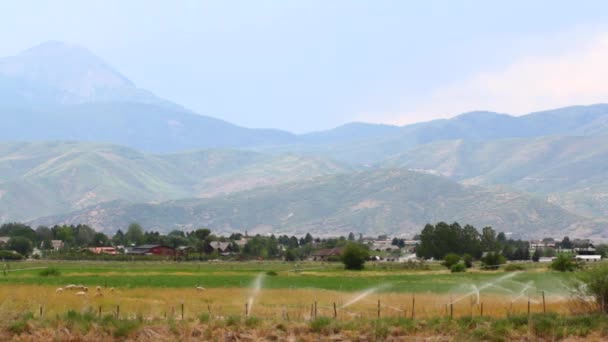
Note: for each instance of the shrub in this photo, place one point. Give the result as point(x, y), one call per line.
point(354, 256)
point(252, 322)
point(563, 263)
point(320, 324)
point(233, 320)
point(459, 267)
point(451, 259)
point(204, 317)
point(50, 272)
point(492, 261)
point(513, 268)
point(10, 255)
point(272, 273)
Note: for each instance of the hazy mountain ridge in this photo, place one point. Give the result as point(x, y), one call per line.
point(372, 202)
point(40, 179)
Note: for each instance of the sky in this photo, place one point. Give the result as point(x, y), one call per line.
point(311, 65)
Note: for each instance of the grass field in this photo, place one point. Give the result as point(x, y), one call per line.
point(157, 292)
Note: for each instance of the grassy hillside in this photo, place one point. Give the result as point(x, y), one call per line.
point(40, 179)
point(372, 202)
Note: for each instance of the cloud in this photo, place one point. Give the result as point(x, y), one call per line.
point(576, 76)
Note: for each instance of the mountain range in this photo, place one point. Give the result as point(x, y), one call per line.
point(81, 143)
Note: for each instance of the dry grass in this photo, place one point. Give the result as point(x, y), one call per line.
point(161, 303)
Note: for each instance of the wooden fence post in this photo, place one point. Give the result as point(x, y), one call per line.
point(378, 308)
point(315, 309)
point(117, 311)
point(182, 311)
point(335, 311)
point(451, 310)
point(99, 312)
point(40, 309)
point(544, 305)
point(413, 305)
point(246, 309)
point(481, 309)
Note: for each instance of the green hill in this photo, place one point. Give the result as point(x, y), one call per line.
point(392, 201)
point(40, 179)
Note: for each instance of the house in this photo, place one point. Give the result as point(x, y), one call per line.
point(4, 240)
point(223, 248)
point(325, 254)
point(383, 245)
point(57, 244)
point(546, 259)
point(152, 250)
point(103, 250)
point(183, 250)
point(589, 258)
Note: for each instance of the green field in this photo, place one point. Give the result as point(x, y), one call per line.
point(327, 276)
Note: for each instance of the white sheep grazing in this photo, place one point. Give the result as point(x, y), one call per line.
point(111, 289)
point(59, 290)
point(81, 293)
point(70, 287)
point(98, 288)
point(200, 288)
point(86, 289)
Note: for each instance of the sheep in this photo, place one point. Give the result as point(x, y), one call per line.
point(81, 294)
point(86, 289)
point(59, 290)
point(111, 289)
point(200, 288)
point(70, 287)
point(98, 288)
point(99, 294)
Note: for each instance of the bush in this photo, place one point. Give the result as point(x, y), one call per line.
point(10, 255)
point(563, 263)
point(271, 273)
point(233, 320)
point(492, 261)
point(50, 272)
point(457, 268)
point(252, 322)
point(320, 324)
point(354, 256)
point(204, 317)
point(451, 259)
point(513, 268)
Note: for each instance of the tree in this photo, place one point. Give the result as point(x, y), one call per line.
point(493, 260)
point(119, 238)
point(351, 236)
point(451, 259)
point(100, 240)
point(602, 249)
point(43, 233)
point(84, 235)
point(354, 256)
point(291, 255)
point(488, 240)
point(17, 229)
point(566, 244)
point(594, 282)
point(536, 256)
point(134, 234)
point(20, 244)
point(563, 263)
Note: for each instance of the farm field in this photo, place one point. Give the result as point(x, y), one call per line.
point(269, 292)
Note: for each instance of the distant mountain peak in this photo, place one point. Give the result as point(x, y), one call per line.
point(70, 68)
point(480, 115)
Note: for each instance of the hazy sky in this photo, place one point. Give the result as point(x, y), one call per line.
point(309, 65)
